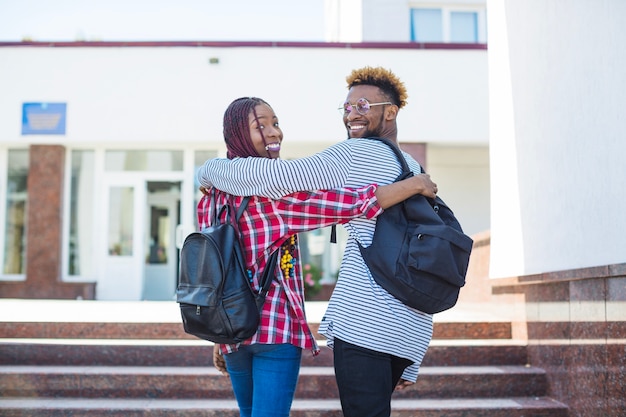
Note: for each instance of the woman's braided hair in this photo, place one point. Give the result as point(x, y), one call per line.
point(382, 78)
point(237, 127)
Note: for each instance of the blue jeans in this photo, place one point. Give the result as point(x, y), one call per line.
point(264, 378)
point(366, 379)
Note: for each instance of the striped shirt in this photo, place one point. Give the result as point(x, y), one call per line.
point(359, 311)
point(265, 225)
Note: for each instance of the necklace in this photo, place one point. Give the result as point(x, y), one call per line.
point(288, 258)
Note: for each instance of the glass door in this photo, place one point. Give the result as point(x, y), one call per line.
point(122, 270)
point(162, 216)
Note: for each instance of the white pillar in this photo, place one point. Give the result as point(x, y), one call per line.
point(557, 134)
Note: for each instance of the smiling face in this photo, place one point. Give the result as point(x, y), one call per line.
point(265, 125)
point(379, 121)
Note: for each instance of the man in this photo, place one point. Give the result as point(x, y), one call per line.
point(376, 340)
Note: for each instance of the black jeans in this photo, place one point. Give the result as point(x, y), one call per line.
point(366, 379)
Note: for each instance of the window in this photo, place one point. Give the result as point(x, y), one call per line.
point(126, 160)
point(426, 25)
point(463, 27)
point(81, 215)
point(448, 25)
point(199, 157)
point(121, 220)
point(15, 215)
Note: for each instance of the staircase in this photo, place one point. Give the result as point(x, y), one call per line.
point(89, 359)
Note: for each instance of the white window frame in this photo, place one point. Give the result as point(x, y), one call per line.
point(188, 191)
point(446, 11)
point(4, 162)
point(98, 212)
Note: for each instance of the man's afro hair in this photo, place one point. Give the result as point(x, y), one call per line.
point(382, 78)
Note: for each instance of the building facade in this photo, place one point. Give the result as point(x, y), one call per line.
point(100, 141)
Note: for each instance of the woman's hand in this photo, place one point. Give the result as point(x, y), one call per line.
point(425, 186)
point(218, 360)
point(398, 191)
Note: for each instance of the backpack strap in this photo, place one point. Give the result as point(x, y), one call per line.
point(406, 173)
point(226, 207)
point(268, 273)
point(242, 207)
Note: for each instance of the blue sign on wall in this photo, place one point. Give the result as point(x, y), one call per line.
point(43, 118)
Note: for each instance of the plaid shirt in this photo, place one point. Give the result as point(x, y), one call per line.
point(265, 225)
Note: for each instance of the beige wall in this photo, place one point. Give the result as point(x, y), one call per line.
point(460, 173)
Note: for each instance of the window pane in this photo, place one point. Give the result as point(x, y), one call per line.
point(426, 25)
point(161, 221)
point(199, 158)
point(81, 222)
point(121, 221)
point(123, 160)
point(15, 221)
point(464, 27)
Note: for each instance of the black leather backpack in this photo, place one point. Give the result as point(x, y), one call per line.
point(216, 300)
point(419, 252)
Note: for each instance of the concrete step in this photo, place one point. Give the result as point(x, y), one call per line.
point(198, 353)
point(161, 320)
point(174, 331)
point(483, 407)
point(206, 382)
point(131, 359)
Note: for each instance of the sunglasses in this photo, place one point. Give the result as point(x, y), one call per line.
point(362, 106)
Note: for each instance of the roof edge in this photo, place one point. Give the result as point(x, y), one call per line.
point(253, 44)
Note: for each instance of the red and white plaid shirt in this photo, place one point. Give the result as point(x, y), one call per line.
point(265, 225)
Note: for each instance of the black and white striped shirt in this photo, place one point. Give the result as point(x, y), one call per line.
point(360, 311)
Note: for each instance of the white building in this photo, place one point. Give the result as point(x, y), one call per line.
point(125, 126)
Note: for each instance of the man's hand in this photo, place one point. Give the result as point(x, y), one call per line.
point(403, 384)
point(218, 360)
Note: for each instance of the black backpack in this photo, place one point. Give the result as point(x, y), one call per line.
point(216, 299)
point(419, 253)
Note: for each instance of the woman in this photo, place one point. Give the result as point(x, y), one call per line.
point(264, 369)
